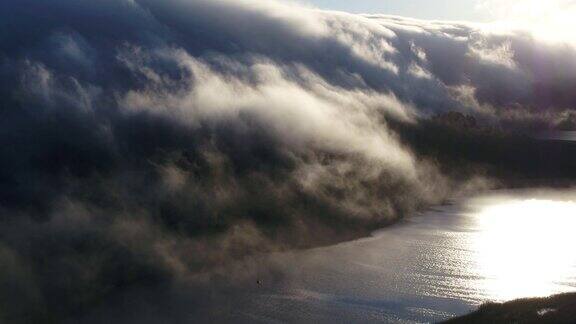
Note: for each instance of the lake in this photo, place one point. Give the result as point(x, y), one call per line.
point(497, 246)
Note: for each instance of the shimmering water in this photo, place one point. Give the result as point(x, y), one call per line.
point(569, 136)
point(495, 247)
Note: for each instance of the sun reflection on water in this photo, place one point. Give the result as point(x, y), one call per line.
point(525, 248)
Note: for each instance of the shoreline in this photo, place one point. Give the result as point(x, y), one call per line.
point(554, 309)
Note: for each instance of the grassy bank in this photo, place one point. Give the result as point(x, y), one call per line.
point(555, 309)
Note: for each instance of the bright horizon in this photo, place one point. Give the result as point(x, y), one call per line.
point(551, 20)
point(469, 10)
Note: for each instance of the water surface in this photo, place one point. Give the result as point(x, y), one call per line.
point(494, 247)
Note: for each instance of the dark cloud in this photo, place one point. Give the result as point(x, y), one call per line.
point(146, 143)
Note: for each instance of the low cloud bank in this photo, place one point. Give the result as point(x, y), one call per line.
point(145, 142)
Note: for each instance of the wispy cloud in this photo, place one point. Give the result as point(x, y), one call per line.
point(146, 142)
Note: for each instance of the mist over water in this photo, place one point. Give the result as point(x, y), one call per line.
point(497, 247)
point(153, 153)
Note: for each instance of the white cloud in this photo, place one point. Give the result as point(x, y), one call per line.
point(311, 113)
point(551, 20)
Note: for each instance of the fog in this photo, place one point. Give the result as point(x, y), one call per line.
point(147, 143)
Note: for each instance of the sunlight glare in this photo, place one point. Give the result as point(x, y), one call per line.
point(525, 247)
point(551, 20)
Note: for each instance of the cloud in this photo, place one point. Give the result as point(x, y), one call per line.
point(550, 21)
point(147, 143)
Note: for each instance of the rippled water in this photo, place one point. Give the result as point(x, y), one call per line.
point(569, 136)
point(495, 247)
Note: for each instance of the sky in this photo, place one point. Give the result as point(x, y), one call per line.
point(551, 20)
point(550, 12)
point(425, 9)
